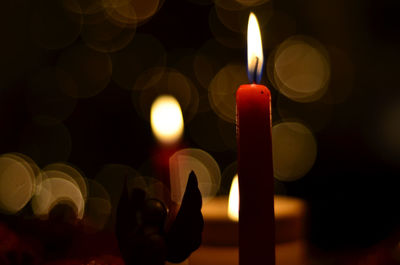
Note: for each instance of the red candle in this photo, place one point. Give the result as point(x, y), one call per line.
point(253, 117)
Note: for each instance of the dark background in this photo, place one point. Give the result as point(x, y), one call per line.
point(352, 189)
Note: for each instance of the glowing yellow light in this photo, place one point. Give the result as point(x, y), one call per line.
point(166, 119)
point(233, 208)
point(255, 55)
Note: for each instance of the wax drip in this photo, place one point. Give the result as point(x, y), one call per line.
point(255, 71)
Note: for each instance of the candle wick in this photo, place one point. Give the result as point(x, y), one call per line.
point(255, 71)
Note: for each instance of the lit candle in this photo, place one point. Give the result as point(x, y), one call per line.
point(167, 126)
point(253, 118)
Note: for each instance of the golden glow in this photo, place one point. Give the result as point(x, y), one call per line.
point(204, 166)
point(166, 119)
point(233, 208)
point(301, 69)
point(254, 48)
point(56, 189)
point(294, 150)
point(17, 183)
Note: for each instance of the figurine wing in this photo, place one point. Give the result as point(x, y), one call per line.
point(184, 237)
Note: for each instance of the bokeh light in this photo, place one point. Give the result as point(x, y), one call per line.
point(167, 82)
point(301, 69)
point(294, 150)
point(57, 188)
point(166, 119)
point(97, 207)
point(222, 90)
point(233, 206)
point(102, 35)
point(204, 166)
point(132, 11)
point(209, 59)
point(71, 174)
point(17, 182)
point(54, 27)
point(91, 70)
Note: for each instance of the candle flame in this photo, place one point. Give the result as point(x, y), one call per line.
point(255, 57)
point(166, 119)
point(233, 208)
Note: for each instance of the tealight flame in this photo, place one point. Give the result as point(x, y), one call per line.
point(166, 119)
point(255, 57)
point(233, 208)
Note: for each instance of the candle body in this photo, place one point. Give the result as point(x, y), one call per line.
point(256, 212)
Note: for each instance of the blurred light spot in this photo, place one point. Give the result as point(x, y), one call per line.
point(166, 119)
point(98, 206)
point(53, 27)
point(209, 59)
point(105, 36)
point(301, 69)
point(90, 70)
point(255, 56)
point(222, 34)
point(204, 166)
point(131, 11)
point(143, 53)
point(57, 188)
point(46, 94)
point(233, 208)
point(149, 78)
point(17, 183)
point(222, 90)
point(121, 12)
point(46, 143)
point(74, 175)
point(172, 83)
point(294, 150)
